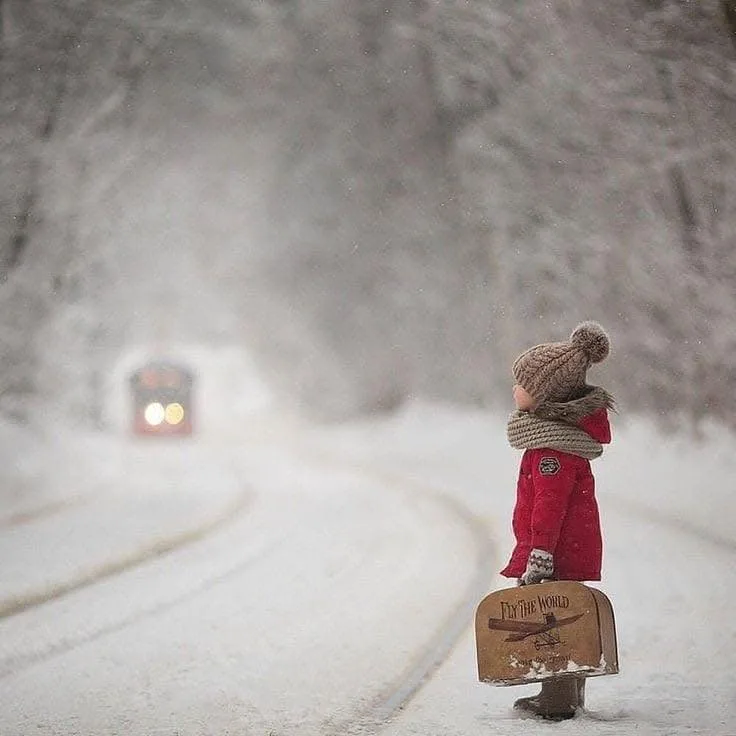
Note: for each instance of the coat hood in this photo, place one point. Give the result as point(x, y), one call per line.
point(589, 412)
point(597, 426)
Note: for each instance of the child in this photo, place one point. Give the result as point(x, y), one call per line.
point(561, 424)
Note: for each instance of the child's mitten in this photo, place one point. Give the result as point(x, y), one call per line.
point(540, 566)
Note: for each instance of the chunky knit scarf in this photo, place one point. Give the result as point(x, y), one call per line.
point(554, 425)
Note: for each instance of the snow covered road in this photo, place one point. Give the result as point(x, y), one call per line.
point(320, 577)
point(259, 624)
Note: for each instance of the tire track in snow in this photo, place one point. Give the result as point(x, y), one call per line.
point(450, 630)
point(374, 716)
point(14, 664)
point(156, 548)
point(19, 518)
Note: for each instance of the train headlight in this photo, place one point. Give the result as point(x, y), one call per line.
point(174, 413)
point(154, 414)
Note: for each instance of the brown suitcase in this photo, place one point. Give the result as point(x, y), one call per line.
point(534, 632)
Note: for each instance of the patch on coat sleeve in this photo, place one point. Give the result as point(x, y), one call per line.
point(549, 466)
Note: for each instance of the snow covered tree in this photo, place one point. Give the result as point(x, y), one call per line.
point(383, 200)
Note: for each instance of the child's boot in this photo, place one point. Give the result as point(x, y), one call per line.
point(581, 692)
point(558, 700)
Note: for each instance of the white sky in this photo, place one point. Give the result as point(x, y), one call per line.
point(286, 579)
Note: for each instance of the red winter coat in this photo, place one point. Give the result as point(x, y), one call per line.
point(556, 509)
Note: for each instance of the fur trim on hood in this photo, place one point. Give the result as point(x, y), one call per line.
point(573, 412)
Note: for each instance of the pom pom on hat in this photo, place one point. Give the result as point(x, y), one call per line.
point(592, 339)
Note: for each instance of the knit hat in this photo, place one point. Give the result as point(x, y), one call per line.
point(556, 371)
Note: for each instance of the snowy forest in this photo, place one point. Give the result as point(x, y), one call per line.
point(379, 200)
